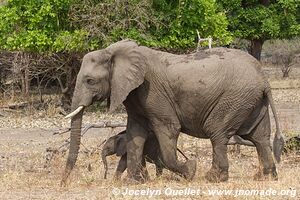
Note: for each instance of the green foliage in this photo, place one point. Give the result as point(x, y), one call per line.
point(109, 21)
point(78, 25)
point(39, 25)
point(72, 41)
point(188, 16)
point(262, 19)
point(160, 23)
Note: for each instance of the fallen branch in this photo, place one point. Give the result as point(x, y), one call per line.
point(104, 124)
point(50, 152)
point(16, 105)
point(21, 105)
point(8, 110)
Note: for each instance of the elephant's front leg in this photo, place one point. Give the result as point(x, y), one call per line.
point(145, 172)
point(121, 167)
point(167, 137)
point(220, 166)
point(159, 169)
point(136, 137)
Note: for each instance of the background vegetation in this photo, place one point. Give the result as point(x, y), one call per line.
point(42, 41)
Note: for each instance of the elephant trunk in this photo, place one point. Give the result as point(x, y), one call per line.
point(75, 137)
point(104, 160)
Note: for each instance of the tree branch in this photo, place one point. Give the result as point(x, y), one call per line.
point(50, 152)
point(103, 124)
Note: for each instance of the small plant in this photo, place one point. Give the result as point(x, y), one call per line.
point(283, 53)
point(89, 180)
point(292, 145)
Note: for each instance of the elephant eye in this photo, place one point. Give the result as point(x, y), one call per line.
point(91, 81)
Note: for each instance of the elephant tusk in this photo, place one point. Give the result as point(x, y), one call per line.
point(75, 112)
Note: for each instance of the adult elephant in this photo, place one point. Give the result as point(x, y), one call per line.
point(212, 94)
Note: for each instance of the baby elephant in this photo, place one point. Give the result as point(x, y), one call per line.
point(117, 145)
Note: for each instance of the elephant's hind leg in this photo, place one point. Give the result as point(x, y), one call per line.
point(260, 136)
point(222, 123)
point(220, 166)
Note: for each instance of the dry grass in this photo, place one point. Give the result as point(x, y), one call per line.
point(23, 175)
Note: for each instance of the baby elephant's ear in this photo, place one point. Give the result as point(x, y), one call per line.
point(121, 148)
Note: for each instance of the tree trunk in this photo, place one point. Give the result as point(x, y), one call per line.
point(256, 47)
point(286, 70)
point(22, 77)
point(23, 64)
point(26, 79)
point(265, 2)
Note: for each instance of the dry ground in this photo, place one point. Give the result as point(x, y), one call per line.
point(24, 173)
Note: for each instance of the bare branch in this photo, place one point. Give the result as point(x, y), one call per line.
point(104, 124)
point(50, 152)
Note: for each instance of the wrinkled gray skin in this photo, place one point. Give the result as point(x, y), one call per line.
point(211, 94)
point(117, 145)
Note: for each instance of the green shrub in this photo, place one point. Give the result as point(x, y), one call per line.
point(39, 26)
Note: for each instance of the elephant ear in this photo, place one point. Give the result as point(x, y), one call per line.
point(121, 148)
point(127, 72)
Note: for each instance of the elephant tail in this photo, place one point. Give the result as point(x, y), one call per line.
point(278, 142)
point(182, 154)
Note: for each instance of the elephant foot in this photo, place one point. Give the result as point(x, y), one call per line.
point(134, 180)
point(117, 176)
point(266, 175)
point(217, 175)
point(190, 169)
point(145, 175)
point(140, 177)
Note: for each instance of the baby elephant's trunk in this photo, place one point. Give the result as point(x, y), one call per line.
point(103, 155)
